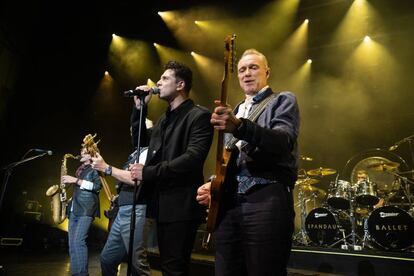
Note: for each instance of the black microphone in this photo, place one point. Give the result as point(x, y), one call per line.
point(49, 152)
point(139, 92)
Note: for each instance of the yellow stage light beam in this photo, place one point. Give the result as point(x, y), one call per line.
point(151, 83)
point(367, 39)
point(372, 61)
point(106, 89)
point(166, 54)
point(360, 18)
point(291, 54)
point(131, 57)
point(186, 26)
point(117, 42)
point(204, 28)
point(274, 21)
point(298, 81)
point(210, 69)
point(166, 15)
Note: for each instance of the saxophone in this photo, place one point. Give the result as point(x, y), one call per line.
point(58, 193)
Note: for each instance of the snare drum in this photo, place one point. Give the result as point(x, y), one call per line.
point(338, 196)
point(366, 193)
point(391, 227)
point(322, 226)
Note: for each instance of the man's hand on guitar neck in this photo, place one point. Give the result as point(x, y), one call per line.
point(224, 119)
point(203, 194)
point(98, 163)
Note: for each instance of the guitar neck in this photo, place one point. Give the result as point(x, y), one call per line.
point(107, 190)
point(223, 155)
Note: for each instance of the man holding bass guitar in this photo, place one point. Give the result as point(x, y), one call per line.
point(117, 244)
point(255, 222)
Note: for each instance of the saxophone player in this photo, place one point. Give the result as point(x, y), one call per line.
point(83, 207)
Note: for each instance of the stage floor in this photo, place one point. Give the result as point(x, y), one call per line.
point(55, 262)
point(305, 260)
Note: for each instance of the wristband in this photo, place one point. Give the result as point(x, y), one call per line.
point(108, 171)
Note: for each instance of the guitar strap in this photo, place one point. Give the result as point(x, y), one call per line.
point(252, 117)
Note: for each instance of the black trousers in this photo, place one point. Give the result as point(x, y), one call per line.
point(254, 236)
point(175, 242)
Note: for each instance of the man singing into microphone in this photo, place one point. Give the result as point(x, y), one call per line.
point(178, 146)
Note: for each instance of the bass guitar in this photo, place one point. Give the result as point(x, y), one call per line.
point(223, 155)
point(92, 146)
point(111, 213)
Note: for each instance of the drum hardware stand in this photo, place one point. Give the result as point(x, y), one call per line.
point(367, 238)
point(353, 234)
point(404, 187)
point(408, 139)
point(302, 237)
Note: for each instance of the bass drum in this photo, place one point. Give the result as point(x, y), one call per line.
point(322, 226)
point(391, 228)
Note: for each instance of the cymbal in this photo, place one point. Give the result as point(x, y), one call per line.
point(384, 166)
point(308, 189)
point(307, 181)
point(321, 171)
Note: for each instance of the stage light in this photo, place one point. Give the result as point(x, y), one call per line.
point(355, 24)
point(309, 61)
point(151, 83)
point(155, 44)
point(106, 73)
point(192, 53)
point(167, 16)
point(196, 22)
point(306, 21)
point(367, 39)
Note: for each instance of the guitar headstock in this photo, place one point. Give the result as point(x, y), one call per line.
point(90, 145)
point(229, 54)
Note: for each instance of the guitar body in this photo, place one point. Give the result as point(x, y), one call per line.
point(216, 190)
point(112, 212)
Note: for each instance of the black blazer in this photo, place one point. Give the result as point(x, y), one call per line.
point(178, 146)
point(86, 203)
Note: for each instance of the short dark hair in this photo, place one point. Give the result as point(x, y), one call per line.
point(182, 72)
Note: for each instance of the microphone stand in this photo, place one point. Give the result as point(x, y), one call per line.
point(9, 169)
point(137, 188)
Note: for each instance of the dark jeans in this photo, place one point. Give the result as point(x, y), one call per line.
point(175, 242)
point(78, 250)
point(254, 236)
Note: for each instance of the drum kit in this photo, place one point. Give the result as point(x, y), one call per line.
point(375, 212)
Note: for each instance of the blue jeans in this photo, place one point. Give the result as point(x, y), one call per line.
point(117, 244)
point(78, 250)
